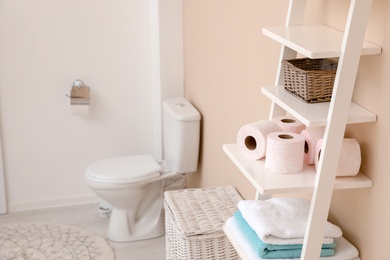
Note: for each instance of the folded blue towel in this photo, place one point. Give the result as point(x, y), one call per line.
point(272, 251)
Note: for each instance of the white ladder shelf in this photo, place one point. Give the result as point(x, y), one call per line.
point(315, 41)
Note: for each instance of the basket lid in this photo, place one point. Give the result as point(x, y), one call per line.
point(201, 211)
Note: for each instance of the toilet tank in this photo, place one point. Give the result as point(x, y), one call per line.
point(181, 135)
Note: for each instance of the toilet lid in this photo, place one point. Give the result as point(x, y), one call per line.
point(126, 169)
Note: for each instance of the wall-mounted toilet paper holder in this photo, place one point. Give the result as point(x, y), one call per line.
point(79, 94)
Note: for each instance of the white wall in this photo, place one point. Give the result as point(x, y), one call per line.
point(44, 46)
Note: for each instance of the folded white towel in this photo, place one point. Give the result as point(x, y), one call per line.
point(343, 251)
point(279, 219)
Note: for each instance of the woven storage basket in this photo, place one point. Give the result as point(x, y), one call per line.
point(310, 79)
point(193, 223)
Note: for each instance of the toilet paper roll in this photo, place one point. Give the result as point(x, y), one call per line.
point(285, 152)
point(252, 138)
point(311, 136)
point(350, 157)
point(289, 124)
point(79, 110)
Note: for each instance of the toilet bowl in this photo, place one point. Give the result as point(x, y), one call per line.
point(134, 185)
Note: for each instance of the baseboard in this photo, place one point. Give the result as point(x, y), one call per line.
point(53, 203)
point(171, 184)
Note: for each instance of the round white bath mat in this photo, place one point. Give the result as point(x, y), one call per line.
point(50, 241)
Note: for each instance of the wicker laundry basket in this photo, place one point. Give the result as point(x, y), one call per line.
point(310, 79)
point(193, 223)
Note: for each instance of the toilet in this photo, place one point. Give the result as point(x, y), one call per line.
point(133, 185)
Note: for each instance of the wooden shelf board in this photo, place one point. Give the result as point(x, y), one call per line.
point(314, 41)
point(313, 114)
point(241, 253)
point(267, 182)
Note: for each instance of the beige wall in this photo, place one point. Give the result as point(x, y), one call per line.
point(227, 60)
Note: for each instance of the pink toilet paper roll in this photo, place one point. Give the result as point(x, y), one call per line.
point(311, 136)
point(350, 157)
point(285, 152)
point(252, 138)
point(289, 124)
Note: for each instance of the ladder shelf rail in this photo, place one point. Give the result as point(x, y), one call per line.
point(334, 132)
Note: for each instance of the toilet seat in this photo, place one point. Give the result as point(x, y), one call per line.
point(126, 169)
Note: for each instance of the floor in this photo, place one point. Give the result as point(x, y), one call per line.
point(87, 217)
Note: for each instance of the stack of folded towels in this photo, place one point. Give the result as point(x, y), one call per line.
point(275, 229)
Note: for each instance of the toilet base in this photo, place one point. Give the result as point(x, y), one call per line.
point(137, 211)
point(138, 219)
point(121, 230)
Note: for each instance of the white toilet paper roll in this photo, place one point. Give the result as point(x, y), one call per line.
point(289, 124)
point(311, 136)
point(79, 110)
point(252, 138)
point(285, 152)
point(350, 157)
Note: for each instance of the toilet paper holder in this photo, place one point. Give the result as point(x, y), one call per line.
point(79, 93)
